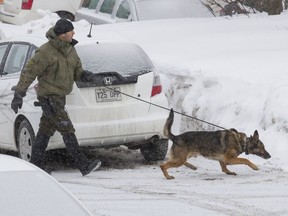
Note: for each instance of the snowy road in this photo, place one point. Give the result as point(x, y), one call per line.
point(127, 186)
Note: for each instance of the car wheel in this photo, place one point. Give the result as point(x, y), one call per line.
point(66, 15)
point(155, 150)
point(25, 139)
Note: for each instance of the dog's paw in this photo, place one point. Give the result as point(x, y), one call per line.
point(170, 177)
point(230, 173)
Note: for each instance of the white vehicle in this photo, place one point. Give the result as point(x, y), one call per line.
point(118, 113)
point(19, 12)
point(27, 190)
point(114, 11)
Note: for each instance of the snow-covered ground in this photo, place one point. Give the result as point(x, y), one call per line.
point(231, 72)
point(126, 186)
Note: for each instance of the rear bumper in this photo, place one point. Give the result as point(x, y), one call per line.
point(121, 132)
point(115, 133)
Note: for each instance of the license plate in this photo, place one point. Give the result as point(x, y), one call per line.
point(108, 95)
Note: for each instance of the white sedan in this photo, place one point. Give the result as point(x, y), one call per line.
point(127, 110)
point(115, 11)
point(27, 190)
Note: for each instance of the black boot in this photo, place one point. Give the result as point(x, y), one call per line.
point(84, 165)
point(38, 150)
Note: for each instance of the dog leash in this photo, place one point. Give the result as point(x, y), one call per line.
point(153, 104)
point(165, 108)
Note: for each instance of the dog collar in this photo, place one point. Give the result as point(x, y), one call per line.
point(244, 148)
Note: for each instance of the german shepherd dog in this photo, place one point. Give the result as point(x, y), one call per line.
point(223, 145)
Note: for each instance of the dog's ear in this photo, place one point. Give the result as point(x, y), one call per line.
point(256, 135)
point(234, 130)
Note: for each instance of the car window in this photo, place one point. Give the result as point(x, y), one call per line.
point(123, 58)
point(159, 9)
point(2, 51)
point(123, 11)
point(16, 58)
point(91, 4)
point(107, 6)
point(33, 51)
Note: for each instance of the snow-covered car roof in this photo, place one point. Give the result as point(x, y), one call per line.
point(35, 39)
point(112, 55)
point(11, 164)
point(122, 57)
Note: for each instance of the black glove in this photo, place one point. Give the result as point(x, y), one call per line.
point(17, 101)
point(98, 80)
point(88, 76)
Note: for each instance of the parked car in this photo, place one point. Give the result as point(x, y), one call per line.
point(114, 11)
point(118, 113)
point(21, 11)
point(27, 190)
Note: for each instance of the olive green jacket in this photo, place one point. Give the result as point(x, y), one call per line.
point(56, 65)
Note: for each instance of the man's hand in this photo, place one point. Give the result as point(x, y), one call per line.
point(97, 80)
point(17, 101)
point(88, 76)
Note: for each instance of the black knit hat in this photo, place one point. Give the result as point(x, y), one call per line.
point(62, 26)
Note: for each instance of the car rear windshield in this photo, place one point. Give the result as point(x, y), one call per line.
point(124, 58)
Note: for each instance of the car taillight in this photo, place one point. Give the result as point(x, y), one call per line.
point(157, 87)
point(27, 4)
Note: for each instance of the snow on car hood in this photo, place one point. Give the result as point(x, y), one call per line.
point(9, 163)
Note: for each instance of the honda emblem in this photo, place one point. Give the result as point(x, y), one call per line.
point(108, 80)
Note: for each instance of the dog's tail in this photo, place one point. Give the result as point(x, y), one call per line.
point(168, 125)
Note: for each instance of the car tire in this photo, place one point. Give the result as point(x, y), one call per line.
point(66, 15)
point(156, 150)
point(25, 138)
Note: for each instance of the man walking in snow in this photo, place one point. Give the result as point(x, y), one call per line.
point(56, 65)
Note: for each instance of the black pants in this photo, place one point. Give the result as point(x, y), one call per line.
point(55, 118)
